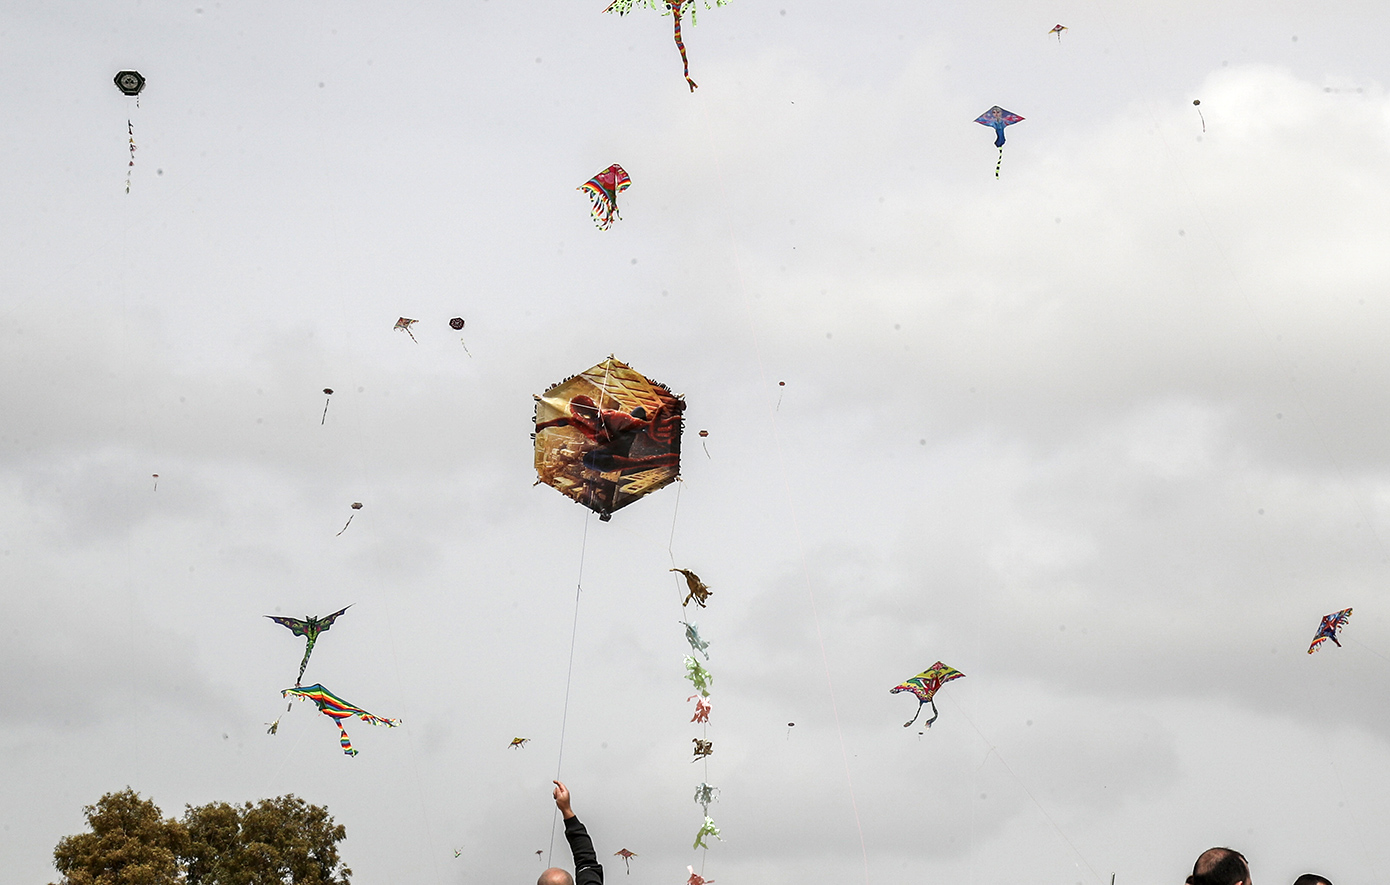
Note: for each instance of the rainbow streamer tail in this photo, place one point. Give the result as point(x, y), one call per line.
point(345, 741)
point(680, 44)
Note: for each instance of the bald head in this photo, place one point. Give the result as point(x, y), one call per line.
point(555, 876)
point(1220, 866)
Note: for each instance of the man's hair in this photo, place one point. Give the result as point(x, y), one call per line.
point(1219, 866)
point(1311, 879)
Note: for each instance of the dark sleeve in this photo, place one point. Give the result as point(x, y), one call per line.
point(587, 870)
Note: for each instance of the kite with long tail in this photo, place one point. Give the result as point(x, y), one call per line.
point(998, 118)
point(603, 190)
point(338, 709)
point(310, 628)
point(675, 8)
point(924, 686)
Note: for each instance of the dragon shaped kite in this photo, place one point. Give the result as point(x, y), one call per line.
point(310, 628)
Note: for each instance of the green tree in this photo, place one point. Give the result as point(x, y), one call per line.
point(275, 841)
point(281, 841)
point(130, 843)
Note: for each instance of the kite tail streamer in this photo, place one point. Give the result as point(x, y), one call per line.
point(307, 651)
point(345, 741)
point(130, 131)
point(1000, 163)
point(680, 44)
point(345, 525)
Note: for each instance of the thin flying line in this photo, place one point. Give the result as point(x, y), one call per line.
point(997, 755)
point(569, 677)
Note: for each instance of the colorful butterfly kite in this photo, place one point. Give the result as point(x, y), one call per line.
point(403, 324)
point(692, 636)
point(706, 829)
point(1328, 629)
point(338, 709)
point(698, 590)
point(925, 685)
point(310, 628)
point(603, 190)
point(607, 437)
point(673, 7)
point(698, 676)
point(998, 118)
point(627, 856)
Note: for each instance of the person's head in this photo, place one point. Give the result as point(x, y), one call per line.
point(555, 876)
point(1220, 866)
point(1311, 879)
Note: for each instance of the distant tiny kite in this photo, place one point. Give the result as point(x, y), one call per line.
point(1328, 629)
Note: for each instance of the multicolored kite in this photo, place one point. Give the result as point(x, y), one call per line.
point(1058, 29)
point(603, 190)
point(338, 709)
point(698, 590)
point(310, 628)
point(925, 685)
point(706, 829)
point(518, 743)
point(692, 636)
point(674, 8)
point(403, 324)
point(626, 856)
point(696, 878)
point(702, 748)
point(998, 118)
point(608, 436)
point(1328, 629)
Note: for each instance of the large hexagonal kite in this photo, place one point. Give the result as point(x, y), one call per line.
point(608, 436)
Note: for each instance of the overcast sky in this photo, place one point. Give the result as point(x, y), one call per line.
point(1107, 434)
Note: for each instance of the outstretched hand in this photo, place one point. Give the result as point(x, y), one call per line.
point(562, 800)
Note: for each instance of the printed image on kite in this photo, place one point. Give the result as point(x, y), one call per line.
point(338, 709)
point(1328, 629)
point(925, 685)
point(607, 437)
point(999, 118)
point(403, 324)
point(603, 190)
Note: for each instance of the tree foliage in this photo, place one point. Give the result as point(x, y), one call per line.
point(281, 841)
point(130, 843)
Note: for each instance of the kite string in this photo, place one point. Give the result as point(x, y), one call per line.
point(569, 678)
point(1018, 780)
point(786, 486)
